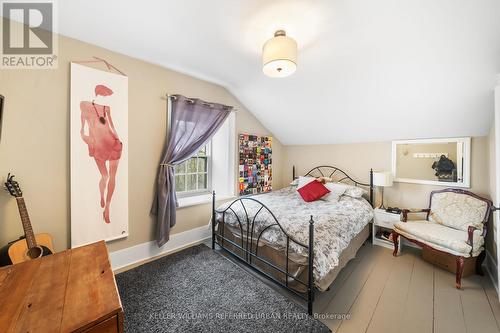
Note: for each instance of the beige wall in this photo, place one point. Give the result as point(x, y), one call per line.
point(357, 159)
point(35, 147)
point(35, 142)
point(491, 237)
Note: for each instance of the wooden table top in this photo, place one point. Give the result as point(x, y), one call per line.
point(64, 292)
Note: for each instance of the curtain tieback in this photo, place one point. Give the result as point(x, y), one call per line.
point(167, 164)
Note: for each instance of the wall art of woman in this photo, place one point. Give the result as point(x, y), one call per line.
point(103, 143)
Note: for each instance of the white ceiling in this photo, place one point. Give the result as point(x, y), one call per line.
point(368, 70)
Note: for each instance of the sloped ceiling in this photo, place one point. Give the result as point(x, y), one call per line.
point(368, 70)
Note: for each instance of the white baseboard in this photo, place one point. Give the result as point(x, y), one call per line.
point(491, 269)
point(142, 252)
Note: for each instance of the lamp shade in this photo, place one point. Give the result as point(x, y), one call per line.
point(279, 55)
point(382, 178)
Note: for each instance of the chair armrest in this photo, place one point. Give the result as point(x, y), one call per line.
point(405, 212)
point(470, 240)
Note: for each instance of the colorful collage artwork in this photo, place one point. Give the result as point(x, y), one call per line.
point(255, 164)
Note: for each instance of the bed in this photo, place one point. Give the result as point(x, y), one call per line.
point(301, 246)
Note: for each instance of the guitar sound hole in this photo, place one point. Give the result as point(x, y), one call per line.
point(35, 252)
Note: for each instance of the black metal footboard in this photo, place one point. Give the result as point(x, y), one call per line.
point(250, 254)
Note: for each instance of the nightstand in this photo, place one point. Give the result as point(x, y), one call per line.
point(384, 221)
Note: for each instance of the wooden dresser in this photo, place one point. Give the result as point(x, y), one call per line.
point(70, 291)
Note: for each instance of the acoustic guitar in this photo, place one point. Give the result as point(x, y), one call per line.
point(30, 246)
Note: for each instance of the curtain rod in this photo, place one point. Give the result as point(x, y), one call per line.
point(233, 109)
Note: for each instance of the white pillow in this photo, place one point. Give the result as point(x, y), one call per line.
point(303, 181)
point(295, 182)
point(355, 192)
point(343, 189)
point(336, 191)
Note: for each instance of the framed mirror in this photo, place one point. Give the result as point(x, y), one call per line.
point(444, 162)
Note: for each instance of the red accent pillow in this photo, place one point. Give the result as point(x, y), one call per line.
point(313, 191)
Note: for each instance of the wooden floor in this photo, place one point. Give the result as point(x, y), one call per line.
point(377, 292)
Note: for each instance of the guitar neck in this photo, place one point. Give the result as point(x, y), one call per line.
point(25, 219)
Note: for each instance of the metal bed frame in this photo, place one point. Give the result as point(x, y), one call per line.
point(250, 253)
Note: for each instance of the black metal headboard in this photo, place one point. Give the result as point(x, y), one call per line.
point(339, 176)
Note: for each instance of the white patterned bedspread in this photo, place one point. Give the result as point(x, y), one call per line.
point(335, 224)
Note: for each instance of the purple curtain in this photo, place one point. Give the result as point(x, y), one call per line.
point(193, 122)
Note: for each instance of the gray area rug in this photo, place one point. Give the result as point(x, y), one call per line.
point(198, 290)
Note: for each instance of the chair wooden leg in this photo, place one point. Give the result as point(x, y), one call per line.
point(395, 237)
point(460, 270)
point(479, 263)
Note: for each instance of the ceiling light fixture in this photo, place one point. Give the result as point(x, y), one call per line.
point(279, 55)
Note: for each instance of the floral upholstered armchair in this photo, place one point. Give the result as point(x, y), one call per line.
point(455, 224)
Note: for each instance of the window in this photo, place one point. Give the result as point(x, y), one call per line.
point(193, 177)
point(212, 169)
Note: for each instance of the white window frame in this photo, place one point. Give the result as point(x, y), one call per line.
point(192, 193)
point(223, 172)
